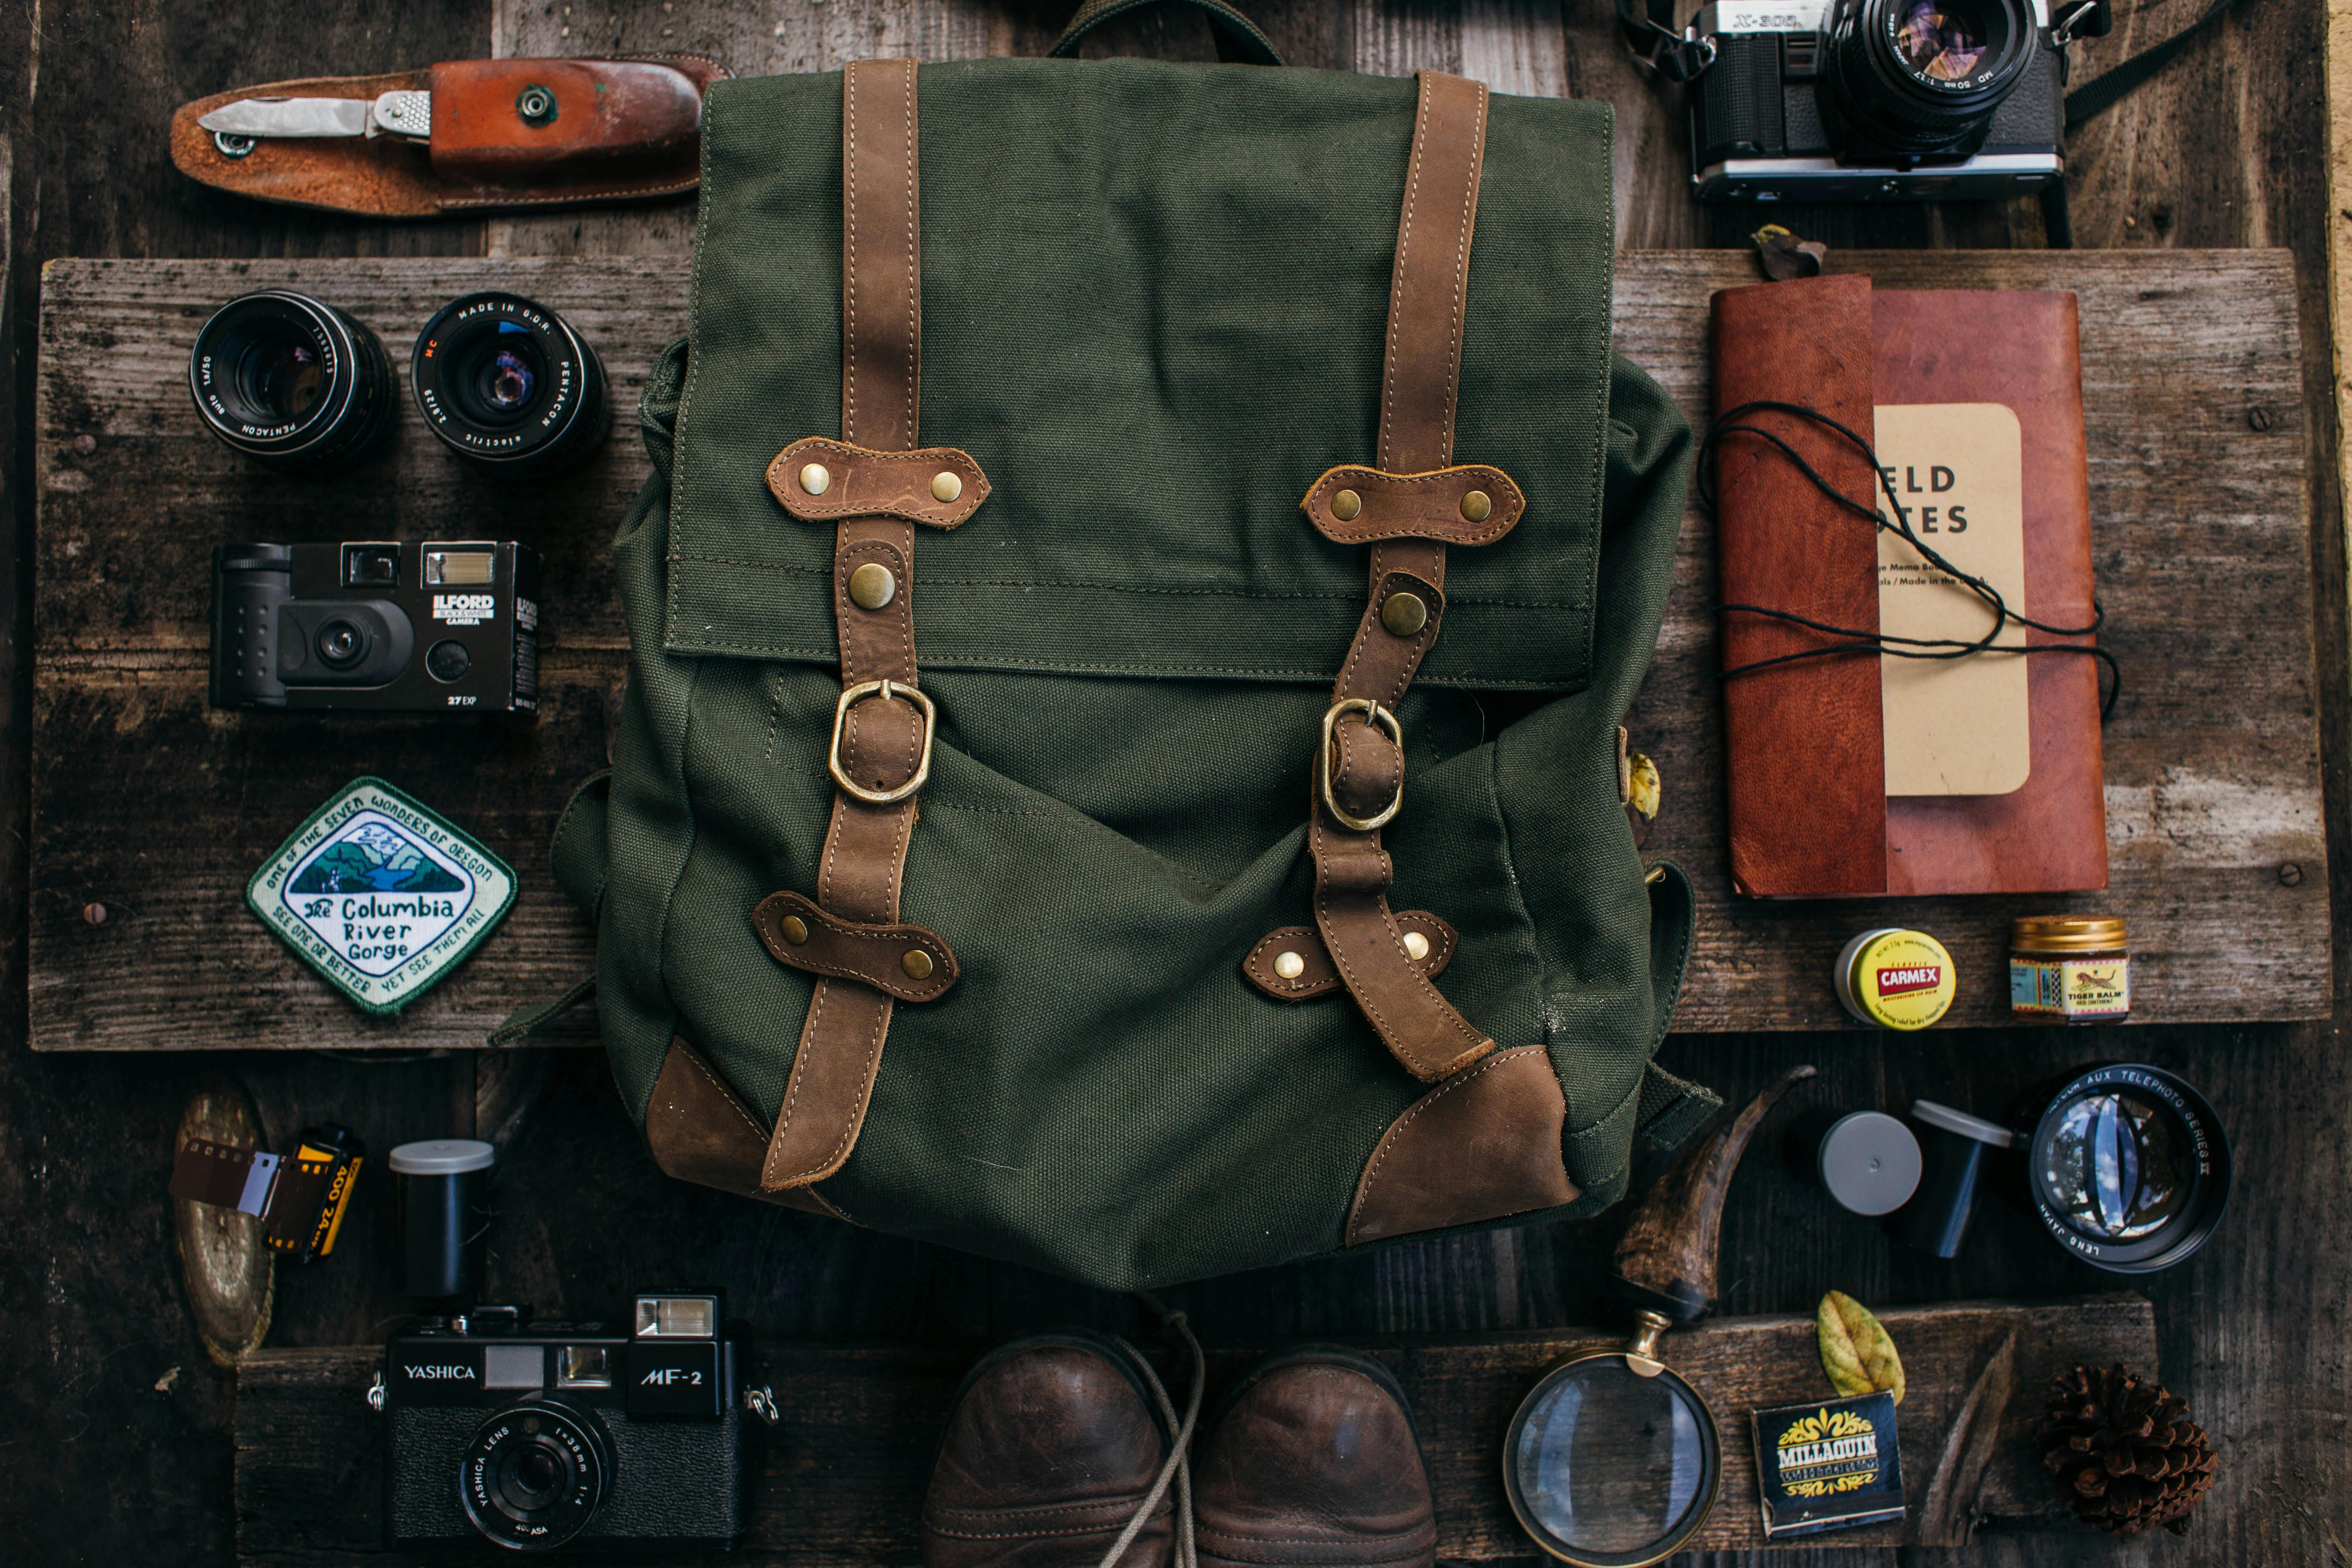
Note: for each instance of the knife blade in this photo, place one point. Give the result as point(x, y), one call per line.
point(407, 114)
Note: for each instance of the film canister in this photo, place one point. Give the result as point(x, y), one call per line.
point(1867, 1161)
point(442, 1188)
point(1957, 1147)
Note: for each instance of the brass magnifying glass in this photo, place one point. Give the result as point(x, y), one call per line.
point(1612, 1459)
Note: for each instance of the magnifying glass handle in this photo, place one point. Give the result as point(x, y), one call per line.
point(1666, 1264)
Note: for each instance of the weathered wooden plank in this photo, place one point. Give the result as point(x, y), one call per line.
point(843, 1475)
point(2192, 396)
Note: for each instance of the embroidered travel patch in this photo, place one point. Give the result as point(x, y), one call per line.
point(380, 895)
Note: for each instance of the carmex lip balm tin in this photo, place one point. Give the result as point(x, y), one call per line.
point(1895, 979)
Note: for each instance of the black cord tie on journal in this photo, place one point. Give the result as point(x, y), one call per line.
point(1853, 640)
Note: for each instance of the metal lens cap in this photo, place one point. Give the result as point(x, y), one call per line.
point(1607, 1468)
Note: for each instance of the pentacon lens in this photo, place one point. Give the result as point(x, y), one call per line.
point(1908, 80)
point(508, 385)
point(535, 1474)
point(2128, 1168)
point(292, 381)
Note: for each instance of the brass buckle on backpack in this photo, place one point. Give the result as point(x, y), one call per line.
point(1374, 714)
point(885, 689)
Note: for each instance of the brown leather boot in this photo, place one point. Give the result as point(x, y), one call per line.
point(1052, 1446)
point(1314, 1461)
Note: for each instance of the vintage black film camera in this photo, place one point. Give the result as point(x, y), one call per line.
point(538, 1435)
point(1845, 101)
point(377, 627)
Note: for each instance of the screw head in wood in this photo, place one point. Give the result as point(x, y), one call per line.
point(946, 486)
point(871, 586)
point(93, 915)
point(816, 479)
point(916, 963)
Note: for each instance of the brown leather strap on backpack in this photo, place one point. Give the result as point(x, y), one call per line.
point(1359, 782)
point(882, 731)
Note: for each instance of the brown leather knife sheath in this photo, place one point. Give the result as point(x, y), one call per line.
point(620, 130)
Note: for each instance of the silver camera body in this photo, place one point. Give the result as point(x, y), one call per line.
point(1764, 126)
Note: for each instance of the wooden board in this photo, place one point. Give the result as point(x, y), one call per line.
point(843, 1474)
point(155, 809)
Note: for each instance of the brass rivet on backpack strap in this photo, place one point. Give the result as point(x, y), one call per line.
point(816, 479)
point(1476, 506)
point(1405, 614)
point(1346, 505)
point(946, 486)
point(871, 586)
point(795, 929)
point(916, 963)
point(1290, 965)
point(1416, 946)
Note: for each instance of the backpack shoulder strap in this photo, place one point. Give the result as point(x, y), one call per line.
point(882, 729)
point(1359, 780)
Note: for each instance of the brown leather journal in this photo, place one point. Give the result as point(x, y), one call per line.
point(1805, 741)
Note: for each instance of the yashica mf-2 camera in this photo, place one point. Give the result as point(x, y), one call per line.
point(1813, 101)
point(376, 626)
point(539, 1434)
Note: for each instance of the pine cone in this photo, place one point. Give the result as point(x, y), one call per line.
point(2126, 1453)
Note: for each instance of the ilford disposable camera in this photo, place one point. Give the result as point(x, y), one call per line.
point(376, 626)
point(540, 1436)
point(1844, 100)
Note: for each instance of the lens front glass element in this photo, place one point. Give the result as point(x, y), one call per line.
point(505, 374)
point(1606, 1466)
point(1941, 41)
point(2117, 1167)
point(342, 643)
point(282, 374)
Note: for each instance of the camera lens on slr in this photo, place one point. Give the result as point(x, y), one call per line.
point(535, 1474)
point(1907, 81)
point(292, 381)
point(508, 385)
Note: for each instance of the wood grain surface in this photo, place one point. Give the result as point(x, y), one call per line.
point(107, 1392)
point(843, 1473)
point(157, 808)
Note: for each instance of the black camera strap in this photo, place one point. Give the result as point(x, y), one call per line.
point(1650, 34)
point(2092, 19)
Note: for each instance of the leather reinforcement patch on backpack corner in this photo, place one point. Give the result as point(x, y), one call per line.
point(381, 895)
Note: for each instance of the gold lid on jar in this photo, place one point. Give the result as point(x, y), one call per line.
point(2066, 933)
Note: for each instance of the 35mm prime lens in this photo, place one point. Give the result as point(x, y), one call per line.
point(508, 385)
point(292, 381)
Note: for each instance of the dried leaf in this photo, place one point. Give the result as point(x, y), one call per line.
point(1646, 787)
point(1855, 1350)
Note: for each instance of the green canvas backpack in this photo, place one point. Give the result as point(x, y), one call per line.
point(1041, 841)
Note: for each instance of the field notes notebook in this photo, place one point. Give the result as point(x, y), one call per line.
point(1856, 773)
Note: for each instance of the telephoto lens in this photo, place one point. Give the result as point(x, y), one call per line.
point(1903, 79)
point(291, 382)
point(508, 385)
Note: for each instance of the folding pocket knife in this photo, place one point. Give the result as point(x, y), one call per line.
point(556, 125)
